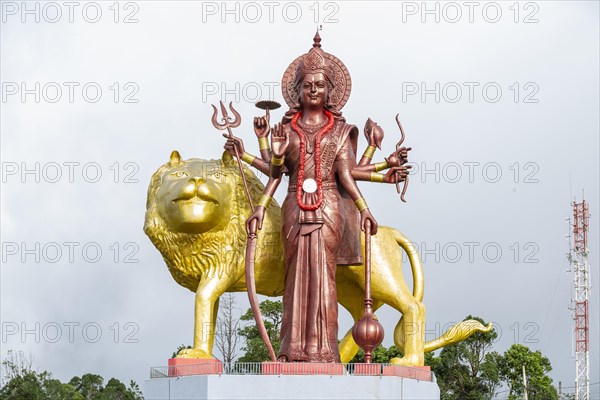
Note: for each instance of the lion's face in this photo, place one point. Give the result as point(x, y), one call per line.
point(195, 195)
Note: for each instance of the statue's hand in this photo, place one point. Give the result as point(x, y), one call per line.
point(397, 174)
point(280, 140)
point(261, 127)
point(255, 220)
point(393, 160)
point(231, 142)
point(403, 154)
point(373, 133)
point(399, 157)
point(365, 215)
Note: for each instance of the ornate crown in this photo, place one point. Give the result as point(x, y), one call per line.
point(315, 61)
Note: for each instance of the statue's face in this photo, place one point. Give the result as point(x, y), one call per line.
point(194, 196)
point(314, 90)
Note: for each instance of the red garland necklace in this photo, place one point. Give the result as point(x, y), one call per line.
point(319, 135)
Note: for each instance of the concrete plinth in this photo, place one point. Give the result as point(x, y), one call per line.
point(277, 368)
point(194, 366)
point(347, 387)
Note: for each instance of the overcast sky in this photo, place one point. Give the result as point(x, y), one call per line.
point(499, 102)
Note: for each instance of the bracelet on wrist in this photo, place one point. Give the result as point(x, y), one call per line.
point(263, 143)
point(264, 201)
point(248, 158)
point(380, 166)
point(361, 204)
point(369, 152)
point(375, 177)
point(277, 162)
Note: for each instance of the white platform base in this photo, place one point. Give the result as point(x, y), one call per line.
point(213, 387)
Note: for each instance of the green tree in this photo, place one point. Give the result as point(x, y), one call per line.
point(89, 385)
point(25, 386)
point(20, 381)
point(466, 370)
point(380, 355)
point(116, 390)
point(254, 347)
point(539, 384)
point(56, 390)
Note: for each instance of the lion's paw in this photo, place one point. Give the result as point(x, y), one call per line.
point(409, 361)
point(194, 353)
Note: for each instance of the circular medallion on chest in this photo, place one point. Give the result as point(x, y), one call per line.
point(309, 185)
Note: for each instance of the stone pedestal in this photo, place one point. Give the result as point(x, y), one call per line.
point(277, 368)
point(194, 366)
point(347, 387)
point(368, 369)
point(419, 373)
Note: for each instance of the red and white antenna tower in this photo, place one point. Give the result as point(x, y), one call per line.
point(581, 269)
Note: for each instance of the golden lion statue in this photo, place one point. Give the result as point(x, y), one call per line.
point(195, 216)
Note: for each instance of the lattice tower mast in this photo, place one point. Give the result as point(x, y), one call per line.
point(581, 269)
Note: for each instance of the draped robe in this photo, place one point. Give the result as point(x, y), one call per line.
point(315, 243)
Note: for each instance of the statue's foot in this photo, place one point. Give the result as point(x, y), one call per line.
point(409, 360)
point(194, 353)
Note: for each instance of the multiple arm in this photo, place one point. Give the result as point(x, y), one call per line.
point(261, 130)
point(396, 171)
point(374, 135)
point(256, 219)
point(265, 164)
point(366, 171)
point(271, 163)
point(258, 163)
point(345, 161)
point(280, 140)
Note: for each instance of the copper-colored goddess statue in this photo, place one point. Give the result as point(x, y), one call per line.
point(324, 208)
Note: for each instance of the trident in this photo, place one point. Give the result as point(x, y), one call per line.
point(228, 123)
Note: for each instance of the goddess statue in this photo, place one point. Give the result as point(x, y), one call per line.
point(324, 209)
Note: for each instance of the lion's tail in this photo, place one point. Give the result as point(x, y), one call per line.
point(415, 264)
point(458, 332)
